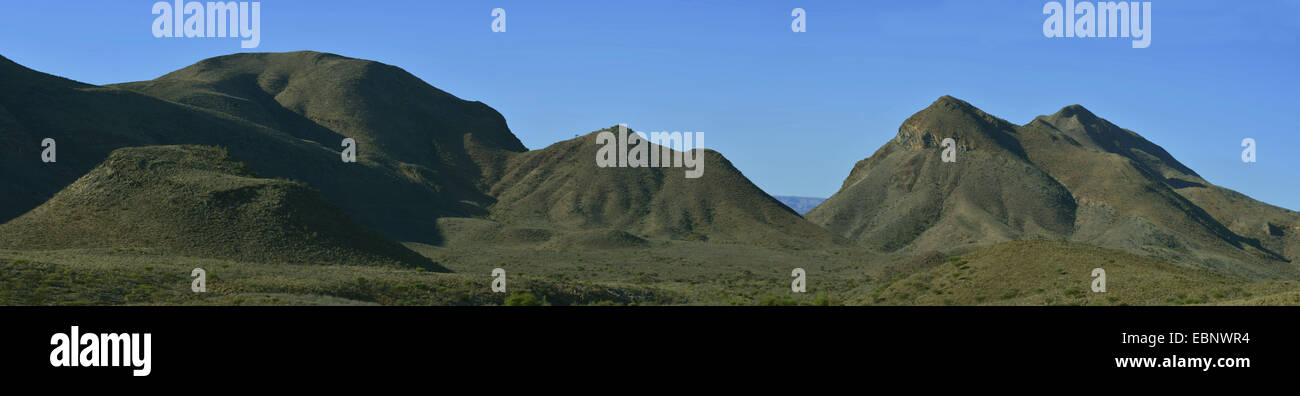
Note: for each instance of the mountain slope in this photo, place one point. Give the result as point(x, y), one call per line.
point(1276, 229)
point(437, 149)
point(87, 122)
point(1234, 217)
point(358, 98)
point(465, 152)
point(1068, 176)
point(194, 201)
point(323, 98)
point(905, 197)
point(1128, 189)
point(562, 186)
point(423, 154)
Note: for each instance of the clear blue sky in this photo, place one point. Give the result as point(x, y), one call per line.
point(793, 111)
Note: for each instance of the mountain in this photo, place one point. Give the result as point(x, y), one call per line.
point(562, 187)
point(236, 160)
point(87, 122)
point(432, 149)
point(464, 152)
point(194, 201)
point(353, 98)
point(394, 116)
point(423, 154)
point(1068, 176)
point(1135, 196)
point(800, 205)
point(904, 196)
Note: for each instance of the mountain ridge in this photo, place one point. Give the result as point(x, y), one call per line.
point(422, 153)
point(1104, 185)
point(562, 185)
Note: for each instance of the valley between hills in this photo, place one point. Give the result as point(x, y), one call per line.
point(232, 165)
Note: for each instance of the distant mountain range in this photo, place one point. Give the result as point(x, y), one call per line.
point(126, 175)
point(800, 204)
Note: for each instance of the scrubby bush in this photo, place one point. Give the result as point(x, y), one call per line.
point(522, 300)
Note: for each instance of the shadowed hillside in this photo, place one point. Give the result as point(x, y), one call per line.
point(402, 200)
point(1068, 176)
point(192, 200)
point(88, 122)
point(435, 149)
point(323, 98)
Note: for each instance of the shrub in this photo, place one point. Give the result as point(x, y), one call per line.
point(1074, 291)
point(522, 300)
point(772, 301)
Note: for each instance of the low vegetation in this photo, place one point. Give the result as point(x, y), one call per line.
point(1057, 273)
point(669, 273)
